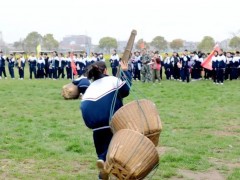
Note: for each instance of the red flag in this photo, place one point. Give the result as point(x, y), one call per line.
point(207, 63)
point(73, 65)
point(142, 45)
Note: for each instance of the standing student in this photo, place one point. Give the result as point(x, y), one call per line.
point(97, 103)
point(137, 64)
point(214, 67)
point(32, 60)
point(21, 65)
point(167, 66)
point(2, 65)
point(40, 66)
point(221, 64)
point(61, 66)
point(175, 69)
point(234, 66)
point(114, 60)
point(46, 67)
point(68, 66)
point(55, 64)
point(156, 66)
point(185, 73)
point(11, 62)
point(228, 65)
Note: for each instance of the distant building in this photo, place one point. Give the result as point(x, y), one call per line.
point(76, 42)
point(190, 45)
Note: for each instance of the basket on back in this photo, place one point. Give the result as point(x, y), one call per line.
point(70, 91)
point(141, 116)
point(131, 155)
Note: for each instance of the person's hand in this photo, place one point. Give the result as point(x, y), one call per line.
point(124, 65)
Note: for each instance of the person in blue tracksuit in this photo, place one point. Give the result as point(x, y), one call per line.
point(82, 83)
point(137, 64)
point(114, 60)
point(184, 70)
point(40, 66)
point(21, 65)
point(55, 64)
point(2, 65)
point(11, 62)
point(234, 66)
point(214, 67)
point(61, 66)
point(221, 65)
point(32, 60)
point(68, 66)
point(167, 66)
point(97, 103)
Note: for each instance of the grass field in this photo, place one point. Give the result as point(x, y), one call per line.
point(43, 136)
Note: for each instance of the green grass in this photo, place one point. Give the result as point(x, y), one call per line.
point(43, 136)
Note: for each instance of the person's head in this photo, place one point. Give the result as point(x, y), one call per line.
point(144, 51)
point(11, 55)
point(175, 54)
point(166, 54)
point(137, 53)
point(101, 55)
point(114, 52)
point(96, 70)
point(237, 53)
point(215, 53)
point(84, 54)
point(221, 51)
point(1, 52)
point(228, 54)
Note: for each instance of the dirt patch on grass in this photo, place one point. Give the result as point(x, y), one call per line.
point(209, 175)
point(226, 133)
point(163, 149)
point(229, 165)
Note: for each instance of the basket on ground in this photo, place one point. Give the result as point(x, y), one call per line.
point(141, 116)
point(70, 91)
point(131, 155)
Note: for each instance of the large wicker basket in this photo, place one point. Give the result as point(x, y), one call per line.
point(141, 116)
point(131, 155)
point(70, 91)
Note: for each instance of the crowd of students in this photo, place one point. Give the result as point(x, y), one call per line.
point(185, 67)
point(144, 66)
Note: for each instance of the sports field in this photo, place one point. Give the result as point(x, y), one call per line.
point(43, 136)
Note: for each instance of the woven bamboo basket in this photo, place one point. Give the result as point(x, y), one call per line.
point(131, 155)
point(141, 116)
point(70, 91)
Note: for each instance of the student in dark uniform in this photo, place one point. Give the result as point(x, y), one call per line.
point(40, 66)
point(11, 62)
point(21, 65)
point(82, 66)
point(97, 103)
point(82, 83)
point(114, 60)
point(68, 66)
point(32, 60)
point(2, 66)
point(228, 64)
point(221, 64)
point(46, 67)
point(55, 64)
point(214, 67)
point(185, 68)
point(137, 64)
point(175, 69)
point(61, 66)
point(234, 66)
point(167, 66)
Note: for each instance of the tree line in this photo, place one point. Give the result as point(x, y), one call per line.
point(48, 42)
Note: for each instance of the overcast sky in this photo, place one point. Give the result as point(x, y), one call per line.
point(186, 19)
